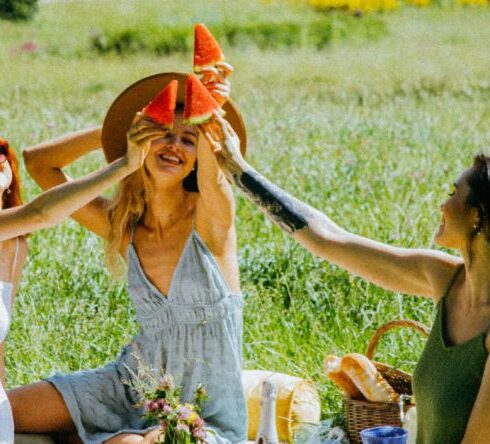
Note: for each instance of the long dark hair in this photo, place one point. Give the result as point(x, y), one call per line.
point(479, 195)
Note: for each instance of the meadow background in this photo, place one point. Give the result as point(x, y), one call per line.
point(371, 127)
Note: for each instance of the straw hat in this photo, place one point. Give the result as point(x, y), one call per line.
point(134, 98)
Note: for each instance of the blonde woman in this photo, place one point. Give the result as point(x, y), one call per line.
point(172, 221)
point(16, 220)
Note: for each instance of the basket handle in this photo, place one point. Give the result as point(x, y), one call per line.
point(401, 323)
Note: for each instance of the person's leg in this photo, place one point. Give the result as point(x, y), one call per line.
point(126, 438)
point(39, 408)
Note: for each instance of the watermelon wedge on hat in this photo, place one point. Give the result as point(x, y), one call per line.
point(162, 108)
point(207, 51)
point(199, 103)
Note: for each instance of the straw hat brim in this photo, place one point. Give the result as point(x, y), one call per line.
point(134, 98)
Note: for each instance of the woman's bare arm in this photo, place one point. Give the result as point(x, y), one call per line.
point(46, 160)
point(215, 206)
point(59, 202)
point(420, 272)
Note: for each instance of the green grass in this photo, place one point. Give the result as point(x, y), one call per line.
point(372, 133)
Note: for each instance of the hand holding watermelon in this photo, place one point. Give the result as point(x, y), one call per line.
point(139, 137)
point(215, 80)
point(209, 64)
point(223, 140)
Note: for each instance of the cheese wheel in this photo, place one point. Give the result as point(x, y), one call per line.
point(340, 379)
point(367, 378)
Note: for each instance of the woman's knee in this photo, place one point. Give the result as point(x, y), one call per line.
point(39, 408)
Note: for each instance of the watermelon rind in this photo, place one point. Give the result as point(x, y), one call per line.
point(199, 120)
point(199, 102)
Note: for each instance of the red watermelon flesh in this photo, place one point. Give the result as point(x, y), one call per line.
point(207, 51)
point(162, 108)
point(199, 103)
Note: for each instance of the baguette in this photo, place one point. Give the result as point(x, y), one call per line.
point(367, 378)
point(340, 379)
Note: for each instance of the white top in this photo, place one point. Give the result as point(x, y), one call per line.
point(6, 293)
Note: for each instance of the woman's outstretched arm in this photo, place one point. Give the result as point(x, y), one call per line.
point(420, 272)
point(59, 202)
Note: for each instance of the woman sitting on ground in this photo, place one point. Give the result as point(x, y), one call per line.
point(16, 220)
point(452, 377)
point(173, 224)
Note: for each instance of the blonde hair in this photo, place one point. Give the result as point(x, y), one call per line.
point(124, 211)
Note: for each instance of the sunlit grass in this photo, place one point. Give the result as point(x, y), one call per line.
point(370, 133)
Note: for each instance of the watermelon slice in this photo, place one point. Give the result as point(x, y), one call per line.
point(162, 108)
point(199, 103)
point(207, 51)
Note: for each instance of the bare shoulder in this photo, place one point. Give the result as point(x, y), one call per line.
point(443, 269)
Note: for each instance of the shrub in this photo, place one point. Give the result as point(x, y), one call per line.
point(266, 36)
point(17, 9)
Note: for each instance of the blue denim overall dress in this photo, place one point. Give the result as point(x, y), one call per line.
point(194, 333)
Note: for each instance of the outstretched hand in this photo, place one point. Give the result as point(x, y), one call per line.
point(223, 141)
point(139, 137)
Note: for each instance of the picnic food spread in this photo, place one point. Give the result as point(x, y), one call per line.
point(367, 378)
point(334, 371)
point(162, 108)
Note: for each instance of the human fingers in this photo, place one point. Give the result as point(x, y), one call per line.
point(210, 131)
point(225, 68)
point(210, 71)
point(214, 130)
point(140, 120)
point(156, 133)
point(221, 122)
point(219, 88)
point(214, 144)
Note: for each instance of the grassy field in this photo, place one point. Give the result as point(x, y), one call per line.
point(372, 133)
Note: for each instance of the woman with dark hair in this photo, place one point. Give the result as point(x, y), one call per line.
point(16, 220)
point(452, 377)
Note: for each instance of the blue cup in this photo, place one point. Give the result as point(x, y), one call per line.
point(384, 435)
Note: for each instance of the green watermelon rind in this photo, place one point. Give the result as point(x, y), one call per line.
point(203, 118)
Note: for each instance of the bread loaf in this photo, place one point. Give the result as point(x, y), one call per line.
point(367, 378)
point(340, 379)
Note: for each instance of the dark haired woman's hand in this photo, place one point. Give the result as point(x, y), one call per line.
point(223, 141)
point(139, 137)
point(215, 79)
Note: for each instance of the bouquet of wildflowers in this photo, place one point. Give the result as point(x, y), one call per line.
point(179, 423)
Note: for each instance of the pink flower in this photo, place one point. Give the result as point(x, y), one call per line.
point(199, 434)
point(151, 406)
point(167, 409)
point(198, 423)
point(183, 412)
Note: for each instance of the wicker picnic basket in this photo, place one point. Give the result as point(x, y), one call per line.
point(360, 415)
